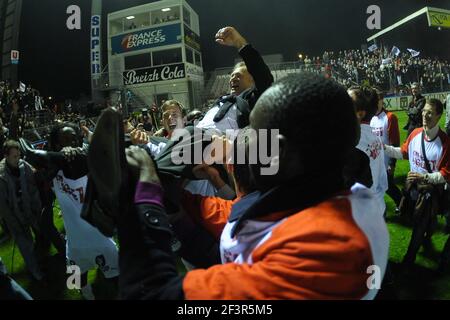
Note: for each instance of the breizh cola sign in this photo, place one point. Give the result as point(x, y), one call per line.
point(161, 73)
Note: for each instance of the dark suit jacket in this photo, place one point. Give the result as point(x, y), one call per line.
point(246, 100)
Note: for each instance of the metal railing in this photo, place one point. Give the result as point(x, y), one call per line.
point(216, 82)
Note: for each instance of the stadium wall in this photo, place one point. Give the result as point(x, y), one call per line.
point(401, 103)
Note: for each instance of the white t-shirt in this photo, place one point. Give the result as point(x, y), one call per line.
point(372, 146)
point(86, 246)
point(433, 150)
point(380, 125)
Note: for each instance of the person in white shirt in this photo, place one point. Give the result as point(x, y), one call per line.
point(366, 102)
point(428, 152)
point(86, 246)
point(385, 126)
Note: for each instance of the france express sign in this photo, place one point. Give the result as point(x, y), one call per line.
point(155, 74)
point(144, 39)
point(14, 57)
point(95, 46)
point(438, 18)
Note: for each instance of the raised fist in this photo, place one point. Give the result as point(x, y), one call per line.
point(229, 36)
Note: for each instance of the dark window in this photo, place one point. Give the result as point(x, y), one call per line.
point(137, 61)
point(189, 55)
point(198, 60)
point(167, 56)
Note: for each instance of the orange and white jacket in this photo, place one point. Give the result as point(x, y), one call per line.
point(322, 252)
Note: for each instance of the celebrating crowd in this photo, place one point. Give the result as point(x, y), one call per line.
point(306, 222)
point(388, 71)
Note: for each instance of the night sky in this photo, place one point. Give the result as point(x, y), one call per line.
point(56, 60)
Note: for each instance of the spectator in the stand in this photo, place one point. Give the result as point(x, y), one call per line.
point(307, 63)
point(415, 109)
point(3, 135)
point(2, 115)
point(11, 132)
point(37, 101)
point(20, 205)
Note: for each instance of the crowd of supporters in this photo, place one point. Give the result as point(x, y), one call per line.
point(391, 72)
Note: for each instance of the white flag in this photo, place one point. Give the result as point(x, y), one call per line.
point(372, 48)
point(414, 53)
point(395, 51)
point(22, 87)
point(37, 103)
point(386, 61)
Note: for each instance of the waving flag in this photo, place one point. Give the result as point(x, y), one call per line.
point(386, 61)
point(395, 51)
point(372, 48)
point(22, 87)
point(413, 52)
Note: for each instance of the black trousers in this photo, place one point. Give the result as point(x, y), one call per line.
point(423, 228)
point(393, 191)
point(49, 234)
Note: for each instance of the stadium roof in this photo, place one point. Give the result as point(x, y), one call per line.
point(436, 18)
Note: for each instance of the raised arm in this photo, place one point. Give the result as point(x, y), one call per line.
point(256, 66)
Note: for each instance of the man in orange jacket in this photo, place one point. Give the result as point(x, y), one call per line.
point(301, 235)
